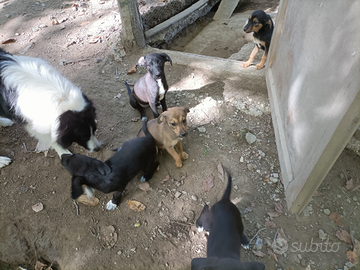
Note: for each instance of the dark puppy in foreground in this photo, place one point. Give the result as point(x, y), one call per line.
point(262, 25)
point(115, 173)
point(152, 87)
point(223, 222)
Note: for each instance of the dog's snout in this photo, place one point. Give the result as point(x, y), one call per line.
point(96, 149)
point(183, 133)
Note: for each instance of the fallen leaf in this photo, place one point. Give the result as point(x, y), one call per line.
point(84, 199)
point(349, 184)
point(132, 70)
point(136, 206)
point(356, 248)
point(145, 186)
point(137, 225)
point(272, 255)
point(278, 207)
point(94, 40)
point(40, 266)
point(38, 207)
point(343, 236)
point(317, 193)
point(258, 253)
point(274, 214)
point(109, 236)
point(337, 218)
point(352, 257)
point(208, 183)
point(55, 22)
point(11, 40)
point(269, 223)
point(165, 179)
point(135, 119)
point(221, 172)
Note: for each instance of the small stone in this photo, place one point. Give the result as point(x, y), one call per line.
point(236, 187)
point(258, 225)
point(326, 211)
point(202, 129)
point(250, 138)
point(322, 235)
point(177, 194)
point(35, 29)
point(355, 199)
point(306, 212)
point(194, 197)
point(241, 159)
point(38, 207)
point(339, 196)
point(273, 179)
point(7, 15)
point(251, 167)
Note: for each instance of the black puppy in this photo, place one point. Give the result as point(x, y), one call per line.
point(226, 229)
point(152, 87)
point(262, 25)
point(114, 174)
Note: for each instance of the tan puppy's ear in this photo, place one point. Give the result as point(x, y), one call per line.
point(161, 118)
point(269, 23)
point(186, 110)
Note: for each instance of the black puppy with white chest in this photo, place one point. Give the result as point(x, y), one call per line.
point(223, 222)
point(262, 27)
point(152, 87)
point(115, 173)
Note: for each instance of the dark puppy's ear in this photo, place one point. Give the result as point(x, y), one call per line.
point(102, 167)
point(76, 187)
point(166, 57)
point(65, 159)
point(269, 22)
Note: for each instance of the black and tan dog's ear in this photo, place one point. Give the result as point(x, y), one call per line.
point(101, 167)
point(162, 118)
point(269, 22)
point(166, 57)
point(76, 187)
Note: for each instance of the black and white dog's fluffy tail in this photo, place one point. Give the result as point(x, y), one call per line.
point(53, 109)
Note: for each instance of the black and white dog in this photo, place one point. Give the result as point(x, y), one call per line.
point(226, 235)
point(115, 173)
point(54, 110)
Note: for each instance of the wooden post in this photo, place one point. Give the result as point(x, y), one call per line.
point(132, 33)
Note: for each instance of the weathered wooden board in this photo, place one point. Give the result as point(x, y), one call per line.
point(313, 79)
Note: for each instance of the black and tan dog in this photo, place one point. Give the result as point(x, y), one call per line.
point(115, 173)
point(152, 87)
point(262, 25)
point(226, 235)
point(168, 130)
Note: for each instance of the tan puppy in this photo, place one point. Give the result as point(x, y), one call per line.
point(168, 130)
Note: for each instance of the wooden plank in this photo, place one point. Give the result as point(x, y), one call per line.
point(225, 10)
point(313, 84)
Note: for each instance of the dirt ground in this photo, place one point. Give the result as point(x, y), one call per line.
point(83, 45)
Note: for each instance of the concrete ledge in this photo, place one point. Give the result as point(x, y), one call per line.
point(214, 65)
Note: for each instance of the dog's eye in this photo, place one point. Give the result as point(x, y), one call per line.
point(184, 121)
point(173, 124)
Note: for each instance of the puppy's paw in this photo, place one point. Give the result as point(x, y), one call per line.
point(184, 156)
point(245, 246)
point(245, 64)
point(110, 205)
point(259, 66)
point(142, 179)
point(4, 161)
point(178, 164)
